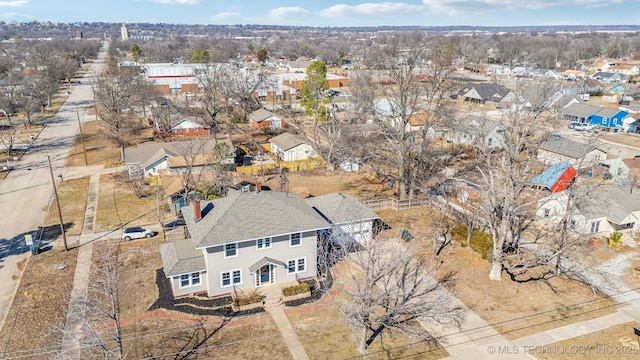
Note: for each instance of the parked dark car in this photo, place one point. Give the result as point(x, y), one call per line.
point(175, 224)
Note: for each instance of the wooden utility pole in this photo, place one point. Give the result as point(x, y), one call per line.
point(84, 148)
point(55, 192)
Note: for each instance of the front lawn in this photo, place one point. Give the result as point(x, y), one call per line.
point(119, 206)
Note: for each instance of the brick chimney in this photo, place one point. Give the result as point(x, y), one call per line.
point(197, 213)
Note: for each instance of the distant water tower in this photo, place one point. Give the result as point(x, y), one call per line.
point(124, 32)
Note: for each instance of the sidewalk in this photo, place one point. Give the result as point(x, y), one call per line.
point(604, 279)
point(475, 339)
point(71, 342)
point(288, 334)
point(275, 307)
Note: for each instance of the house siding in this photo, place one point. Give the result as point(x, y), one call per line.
point(359, 231)
point(178, 292)
point(158, 165)
point(610, 122)
point(549, 157)
point(197, 132)
point(248, 254)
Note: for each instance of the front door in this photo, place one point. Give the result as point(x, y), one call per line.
point(265, 275)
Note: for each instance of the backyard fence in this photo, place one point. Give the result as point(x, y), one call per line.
point(178, 233)
point(395, 204)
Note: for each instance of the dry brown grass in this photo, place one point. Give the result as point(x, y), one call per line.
point(117, 206)
point(73, 202)
point(99, 149)
point(325, 334)
point(623, 138)
point(316, 183)
point(514, 309)
point(256, 337)
point(40, 303)
point(617, 342)
point(137, 264)
point(520, 309)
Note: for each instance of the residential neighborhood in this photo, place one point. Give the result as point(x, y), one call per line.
point(241, 193)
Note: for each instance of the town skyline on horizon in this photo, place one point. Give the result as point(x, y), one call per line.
point(341, 13)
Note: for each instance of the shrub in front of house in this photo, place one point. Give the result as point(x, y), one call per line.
point(296, 289)
point(248, 299)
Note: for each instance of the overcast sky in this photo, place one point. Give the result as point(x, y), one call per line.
point(329, 12)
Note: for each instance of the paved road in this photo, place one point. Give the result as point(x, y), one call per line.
point(27, 191)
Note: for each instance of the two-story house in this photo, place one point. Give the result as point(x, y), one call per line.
point(244, 241)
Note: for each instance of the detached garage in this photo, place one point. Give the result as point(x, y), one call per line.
point(350, 219)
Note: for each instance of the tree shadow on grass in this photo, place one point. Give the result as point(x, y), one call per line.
point(18, 245)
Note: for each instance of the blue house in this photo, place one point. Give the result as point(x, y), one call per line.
point(607, 117)
point(582, 113)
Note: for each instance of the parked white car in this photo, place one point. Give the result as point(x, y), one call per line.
point(137, 233)
point(580, 126)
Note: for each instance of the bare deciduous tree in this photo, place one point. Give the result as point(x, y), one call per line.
point(95, 327)
point(114, 94)
point(388, 288)
point(405, 100)
point(7, 136)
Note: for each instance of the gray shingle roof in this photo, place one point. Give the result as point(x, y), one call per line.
point(608, 112)
point(262, 262)
point(181, 257)
point(148, 152)
point(246, 216)
point(260, 115)
point(491, 92)
point(581, 110)
point(288, 141)
point(566, 147)
point(339, 208)
point(613, 201)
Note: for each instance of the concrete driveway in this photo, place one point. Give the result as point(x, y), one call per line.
point(26, 192)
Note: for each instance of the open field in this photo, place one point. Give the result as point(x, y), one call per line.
point(321, 182)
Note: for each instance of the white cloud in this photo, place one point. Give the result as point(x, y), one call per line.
point(12, 4)
point(13, 16)
point(287, 13)
point(226, 18)
point(179, 2)
point(368, 10)
point(467, 7)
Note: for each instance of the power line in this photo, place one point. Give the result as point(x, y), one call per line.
point(152, 333)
